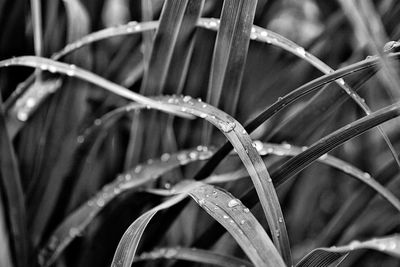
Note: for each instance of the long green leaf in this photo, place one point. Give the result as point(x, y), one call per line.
point(321, 257)
point(195, 255)
point(137, 177)
point(71, 70)
point(240, 223)
point(284, 102)
point(230, 53)
point(13, 196)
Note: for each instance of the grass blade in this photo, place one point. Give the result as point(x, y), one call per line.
point(139, 176)
point(13, 196)
point(240, 223)
point(243, 144)
point(6, 258)
point(177, 24)
point(284, 102)
point(125, 253)
point(325, 256)
point(229, 56)
point(72, 70)
point(195, 255)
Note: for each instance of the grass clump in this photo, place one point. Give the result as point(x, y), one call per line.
point(115, 115)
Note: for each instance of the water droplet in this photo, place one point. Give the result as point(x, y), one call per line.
point(74, 232)
point(203, 115)
point(193, 155)
point(204, 106)
point(128, 177)
point(53, 242)
point(277, 233)
point(227, 126)
point(242, 222)
point(392, 245)
point(80, 139)
point(213, 24)
point(167, 185)
point(22, 116)
point(183, 109)
point(366, 175)
point(280, 219)
point(97, 122)
point(170, 253)
point(354, 244)
point(246, 210)
point(286, 145)
point(138, 169)
point(100, 202)
point(233, 203)
point(382, 247)
point(225, 217)
point(264, 33)
point(165, 156)
point(301, 51)
point(187, 98)
point(201, 202)
point(117, 190)
point(324, 156)
point(43, 67)
point(52, 69)
point(391, 45)
point(182, 157)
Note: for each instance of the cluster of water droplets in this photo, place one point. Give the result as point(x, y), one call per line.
point(34, 95)
point(167, 253)
point(209, 23)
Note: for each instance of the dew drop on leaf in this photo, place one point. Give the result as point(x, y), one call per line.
point(233, 203)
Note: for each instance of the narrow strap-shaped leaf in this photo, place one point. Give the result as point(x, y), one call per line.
point(275, 39)
point(139, 176)
point(171, 23)
point(13, 195)
point(125, 252)
point(240, 223)
point(195, 255)
point(72, 70)
point(177, 23)
point(284, 102)
point(255, 166)
point(353, 208)
point(321, 257)
point(324, 145)
point(32, 95)
point(229, 56)
point(186, 106)
point(6, 258)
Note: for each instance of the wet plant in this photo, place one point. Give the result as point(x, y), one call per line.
point(199, 132)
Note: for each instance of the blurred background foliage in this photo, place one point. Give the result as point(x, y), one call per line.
point(53, 170)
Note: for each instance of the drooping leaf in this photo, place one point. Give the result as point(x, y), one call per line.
point(137, 177)
point(71, 70)
point(229, 56)
point(13, 195)
point(284, 102)
point(193, 254)
point(325, 256)
point(240, 223)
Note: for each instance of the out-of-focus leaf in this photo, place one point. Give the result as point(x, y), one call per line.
point(321, 257)
point(125, 253)
point(229, 56)
point(193, 254)
point(240, 223)
point(141, 175)
point(284, 102)
point(72, 70)
point(13, 196)
point(5, 247)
